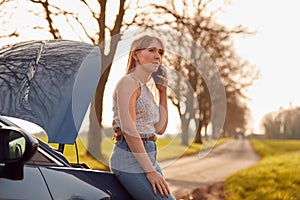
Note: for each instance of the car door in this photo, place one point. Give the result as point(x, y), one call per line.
point(63, 185)
point(32, 186)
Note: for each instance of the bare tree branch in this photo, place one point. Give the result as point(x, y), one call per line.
point(216, 39)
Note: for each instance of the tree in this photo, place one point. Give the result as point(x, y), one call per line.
point(6, 17)
point(183, 98)
point(236, 116)
point(195, 20)
point(282, 124)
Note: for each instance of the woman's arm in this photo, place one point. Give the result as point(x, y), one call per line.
point(161, 126)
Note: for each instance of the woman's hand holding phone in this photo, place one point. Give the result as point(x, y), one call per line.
point(155, 75)
point(160, 77)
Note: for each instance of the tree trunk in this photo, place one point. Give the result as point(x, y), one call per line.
point(198, 137)
point(184, 131)
point(94, 136)
point(95, 129)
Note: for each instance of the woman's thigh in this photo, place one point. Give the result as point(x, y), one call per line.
point(122, 159)
point(139, 187)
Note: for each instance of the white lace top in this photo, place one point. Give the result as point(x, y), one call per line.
point(147, 112)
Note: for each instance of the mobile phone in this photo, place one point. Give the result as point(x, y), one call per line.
point(158, 72)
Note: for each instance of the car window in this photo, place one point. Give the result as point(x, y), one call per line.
point(41, 158)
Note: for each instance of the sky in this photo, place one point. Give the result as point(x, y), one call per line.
point(273, 50)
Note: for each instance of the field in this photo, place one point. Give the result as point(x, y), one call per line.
point(168, 148)
point(276, 176)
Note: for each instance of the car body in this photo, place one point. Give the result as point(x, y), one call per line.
point(31, 169)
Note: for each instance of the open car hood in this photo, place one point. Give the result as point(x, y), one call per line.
point(50, 83)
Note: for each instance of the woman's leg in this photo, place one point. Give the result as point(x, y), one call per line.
point(130, 174)
point(139, 187)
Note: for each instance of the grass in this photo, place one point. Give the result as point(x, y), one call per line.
point(275, 177)
point(168, 148)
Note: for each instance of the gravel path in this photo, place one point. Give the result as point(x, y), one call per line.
point(193, 173)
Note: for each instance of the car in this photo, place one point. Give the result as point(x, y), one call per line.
point(49, 83)
point(31, 169)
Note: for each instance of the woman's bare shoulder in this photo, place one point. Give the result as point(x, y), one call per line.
point(128, 83)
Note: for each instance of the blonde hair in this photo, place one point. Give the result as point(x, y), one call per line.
point(139, 44)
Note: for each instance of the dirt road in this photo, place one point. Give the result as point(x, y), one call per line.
point(188, 173)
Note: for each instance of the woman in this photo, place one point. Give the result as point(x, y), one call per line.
point(137, 118)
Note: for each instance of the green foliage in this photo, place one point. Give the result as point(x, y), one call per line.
point(275, 147)
point(276, 176)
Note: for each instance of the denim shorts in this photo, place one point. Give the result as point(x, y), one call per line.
point(124, 165)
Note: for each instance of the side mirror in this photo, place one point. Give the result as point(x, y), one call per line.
point(15, 145)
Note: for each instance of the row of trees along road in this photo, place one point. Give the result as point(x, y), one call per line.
point(282, 124)
point(193, 19)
